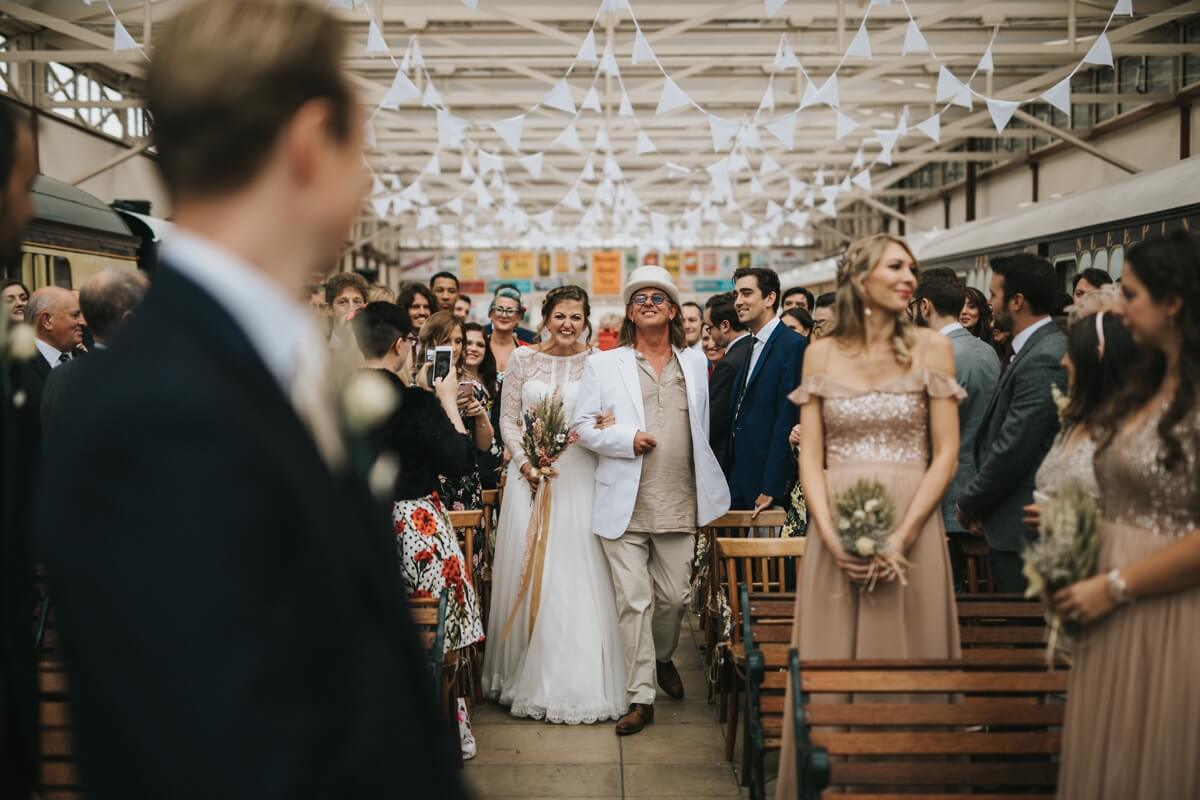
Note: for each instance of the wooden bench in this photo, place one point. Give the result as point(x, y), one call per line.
point(429, 615)
point(944, 729)
point(1000, 628)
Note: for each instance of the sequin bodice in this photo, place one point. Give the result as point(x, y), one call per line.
point(1068, 464)
point(887, 425)
point(1137, 489)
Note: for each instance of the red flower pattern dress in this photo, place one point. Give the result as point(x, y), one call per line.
point(430, 560)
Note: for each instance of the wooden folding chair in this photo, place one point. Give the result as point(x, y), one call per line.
point(429, 615)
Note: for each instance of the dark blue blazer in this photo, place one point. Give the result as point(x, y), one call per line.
point(762, 460)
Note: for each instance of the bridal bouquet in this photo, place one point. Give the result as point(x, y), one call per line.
point(865, 517)
point(545, 438)
point(1065, 551)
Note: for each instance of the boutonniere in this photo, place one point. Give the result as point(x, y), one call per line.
point(367, 401)
point(17, 343)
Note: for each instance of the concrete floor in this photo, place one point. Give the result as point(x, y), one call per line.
point(680, 755)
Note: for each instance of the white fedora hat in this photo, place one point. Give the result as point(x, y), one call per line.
point(649, 276)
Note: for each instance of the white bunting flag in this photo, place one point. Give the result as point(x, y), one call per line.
point(887, 142)
point(602, 142)
point(644, 145)
point(769, 165)
point(450, 129)
point(932, 127)
point(785, 57)
point(768, 100)
point(612, 170)
point(863, 180)
point(587, 52)
point(947, 85)
point(544, 220)
point(369, 134)
point(828, 93)
point(434, 167)
point(571, 200)
point(985, 63)
point(676, 170)
point(1002, 111)
point(589, 171)
point(381, 206)
point(963, 97)
point(1123, 7)
point(569, 138)
point(532, 164)
point(626, 109)
point(432, 98)
point(426, 218)
point(614, 5)
point(375, 40)
point(121, 39)
point(417, 59)
point(799, 219)
point(471, 4)
point(810, 94)
point(859, 159)
point(773, 209)
point(672, 97)
point(456, 206)
point(756, 188)
point(844, 126)
point(773, 6)
point(1059, 95)
point(489, 163)
point(829, 208)
point(466, 171)
point(1101, 53)
point(510, 130)
point(608, 62)
point(860, 45)
point(722, 130)
point(641, 49)
point(560, 97)
point(591, 101)
point(914, 40)
point(377, 187)
point(784, 129)
point(414, 194)
point(749, 138)
point(402, 90)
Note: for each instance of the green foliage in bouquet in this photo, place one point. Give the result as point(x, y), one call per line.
point(865, 517)
point(1067, 545)
point(547, 432)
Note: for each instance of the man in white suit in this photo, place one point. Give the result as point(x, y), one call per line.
point(656, 479)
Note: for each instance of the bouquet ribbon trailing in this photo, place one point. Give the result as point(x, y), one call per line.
point(536, 537)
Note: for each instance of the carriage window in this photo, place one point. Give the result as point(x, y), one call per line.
point(1101, 259)
point(1085, 261)
point(1116, 262)
point(62, 271)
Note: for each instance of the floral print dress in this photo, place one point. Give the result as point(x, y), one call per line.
point(430, 560)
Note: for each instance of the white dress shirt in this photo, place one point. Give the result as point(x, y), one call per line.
point(760, 339)
point(951, 328)
point(1021, 338)
point(50, 353)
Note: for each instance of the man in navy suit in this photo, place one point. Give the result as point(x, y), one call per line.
point(762, 466)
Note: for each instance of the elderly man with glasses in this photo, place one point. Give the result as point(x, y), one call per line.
point(656, 479)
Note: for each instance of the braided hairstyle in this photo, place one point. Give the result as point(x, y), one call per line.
point(1169, 267)
point(563, 294)
point(850, 299)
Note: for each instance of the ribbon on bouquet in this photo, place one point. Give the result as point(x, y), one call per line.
point(535, 552)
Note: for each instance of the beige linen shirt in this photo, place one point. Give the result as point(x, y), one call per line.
point(666, 499)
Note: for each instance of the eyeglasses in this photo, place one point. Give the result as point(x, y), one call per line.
point(505, 312)
point(643, 298)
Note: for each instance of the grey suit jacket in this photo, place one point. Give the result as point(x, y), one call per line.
point(1017, 431)
point(978, 371)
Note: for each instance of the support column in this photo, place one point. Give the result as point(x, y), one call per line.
point(970, 187)
point(946, 211)
point(1185, 131)
point(902, 207)
point(1034, 169)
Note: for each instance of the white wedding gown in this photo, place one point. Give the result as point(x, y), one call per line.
point(572, 668)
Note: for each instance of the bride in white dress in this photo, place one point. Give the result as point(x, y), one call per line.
point(570, 668)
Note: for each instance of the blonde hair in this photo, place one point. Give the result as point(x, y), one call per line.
point(437, 329)
point(850, 309)
point(380, 293)
point(226, 80)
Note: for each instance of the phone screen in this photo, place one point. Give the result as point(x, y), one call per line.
point(441, 362)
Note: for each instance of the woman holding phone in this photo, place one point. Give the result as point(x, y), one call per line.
point(444, 330)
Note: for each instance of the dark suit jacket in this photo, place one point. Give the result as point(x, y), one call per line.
point(230, 610)
point(978, 371)
point(1017, 431)
point(721, 399)
point(60, 384)
point(762, 459)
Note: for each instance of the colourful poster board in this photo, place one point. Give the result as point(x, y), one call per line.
point(691, 262)
point(466, 264)
point(517, 265)
point(606, 272)
point(671, 263)
point(562, 262)
point(708, 262)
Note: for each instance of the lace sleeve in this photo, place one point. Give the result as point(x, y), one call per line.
point(511, 425)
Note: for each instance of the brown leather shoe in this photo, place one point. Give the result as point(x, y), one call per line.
point(669, 680)
point(639, 716)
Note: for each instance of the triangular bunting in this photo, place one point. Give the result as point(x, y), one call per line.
point(381, 206)
point(773, 6)
point(426, 218)
point(608, 62)
point(769, 165)
point(1059, 95)
point(810, 94)
point(1124, 7)
point(932, 127)
point(860, 45)
point(602, 142)
point(588, 173)
point(626, 109)
point(466, 171)
point(569, 138)
point(450, 129)
point(456, 206)
point(722, 130)
point(375, 40)
point(641, 49)
point(985, 62)
point(785, 57)
point(434, 167)
point(432, 98)
point(644, 145)
point(121, 39)
point(560, 97)
point(947, 85)
point(402, 90)
point(749, 138)
point(784, 129)
point(489, 163)
point(768, 100)
point(571, 200)
point(962, 98)
point(755, 187)
point(799, 219)
point(1002, 111)
point(369, 134)
point(587, 53)
point(863, 180)
point(859, 159)
point(532, 164)
point(827, 94)
point(844, 126)
point(510, 130)
point(887, 143)
point(1100, 53)
point(591, 100)
point(672, 97)
point(914, 40)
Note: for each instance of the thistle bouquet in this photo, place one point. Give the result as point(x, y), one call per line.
point(1065, 551)
point(865, 517)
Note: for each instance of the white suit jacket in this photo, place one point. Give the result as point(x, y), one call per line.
point(610, 381)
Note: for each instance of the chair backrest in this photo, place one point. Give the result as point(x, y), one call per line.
point(465, 523)
point(429, 615)
point(934, 727)
point(761, 566)
point(1002, 628)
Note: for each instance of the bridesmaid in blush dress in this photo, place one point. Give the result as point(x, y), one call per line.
point(878, 401)
point(1133, 704)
